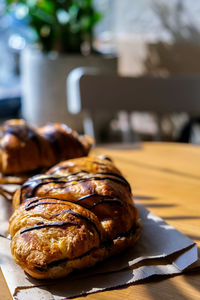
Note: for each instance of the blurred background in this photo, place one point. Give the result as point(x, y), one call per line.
point(41, 41)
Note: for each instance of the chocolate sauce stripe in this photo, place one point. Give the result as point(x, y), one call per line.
point(24, 133)
point(30, 203)
point(31, 206)
point(87, 180)
point(33, 185)
point(55, 224)
point(95, 195)
point(75, 214)
point(55, 138)
point(110, 201)
point(58, 178)
point(88, 196)
point(31, 193)
point(106, 199)
point(36, 202)
point(38, 181)
point(52, 136)
point(52, 179)
point(115, 175)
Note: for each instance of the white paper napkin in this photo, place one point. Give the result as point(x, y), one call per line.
point(161, 250)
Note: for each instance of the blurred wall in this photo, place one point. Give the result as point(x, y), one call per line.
point(156, 37)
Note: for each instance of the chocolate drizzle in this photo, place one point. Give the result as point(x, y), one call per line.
point(35, 203)
point(110, 201)
point(24, 133)
point(76, 178)
point(33, 185)
point(53, 138)
point(28, 207)
point(75, 214)
point(58, 140)
point(55, 224)
point(116, 175)
point(100, 199)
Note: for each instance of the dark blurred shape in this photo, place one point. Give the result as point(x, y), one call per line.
point(172, 59)
point(177, 21)
point(180, 55)
point(10, 101)
point(112, 93)
point(187, 132)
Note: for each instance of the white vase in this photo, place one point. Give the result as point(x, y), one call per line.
point(43, 79)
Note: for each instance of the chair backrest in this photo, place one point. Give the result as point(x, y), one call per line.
point(92, 92)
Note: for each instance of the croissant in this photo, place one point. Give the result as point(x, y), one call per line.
point(24, 149)
point(77, 214)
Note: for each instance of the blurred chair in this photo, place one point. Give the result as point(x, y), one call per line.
point(91, 93)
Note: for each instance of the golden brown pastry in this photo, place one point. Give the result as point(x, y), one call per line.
point(79, 213)
point(24, 149)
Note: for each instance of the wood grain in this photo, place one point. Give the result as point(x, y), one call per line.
point(165, 178)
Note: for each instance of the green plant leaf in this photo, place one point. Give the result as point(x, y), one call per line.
point(85, 23)
point(42, 16)
point(73, 11)
point(97, 16)
point(61, 25)
point(31, 3)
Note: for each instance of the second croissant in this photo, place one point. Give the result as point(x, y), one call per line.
point(24, 148)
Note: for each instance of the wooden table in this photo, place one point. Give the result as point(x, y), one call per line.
point(165, 178)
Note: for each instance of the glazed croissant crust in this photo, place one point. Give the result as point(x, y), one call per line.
point(76, 215)
point(24, 149)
